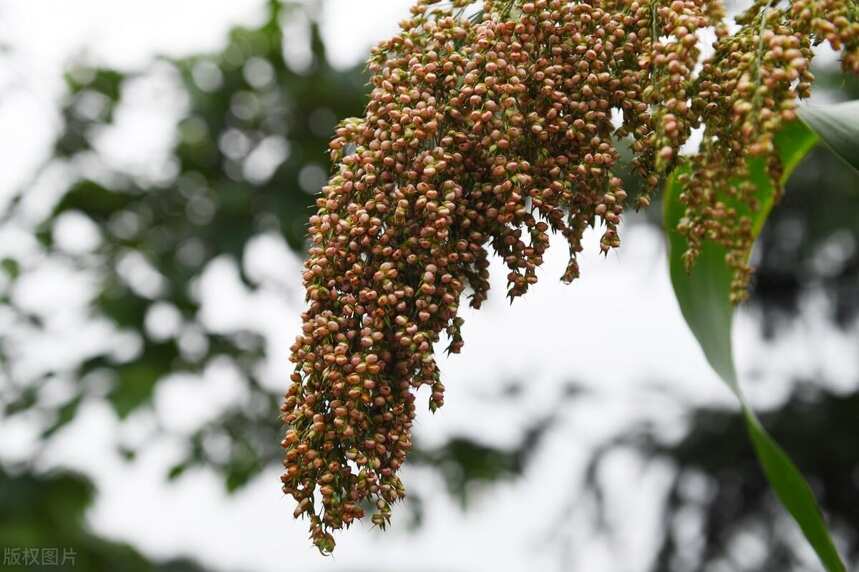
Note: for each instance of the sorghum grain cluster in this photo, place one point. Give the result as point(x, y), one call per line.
point(490, 126)
point(744, 94)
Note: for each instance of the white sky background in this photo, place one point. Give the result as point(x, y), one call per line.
point(615, 331)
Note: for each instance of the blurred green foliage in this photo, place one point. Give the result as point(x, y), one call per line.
point(250, 152)
point(42, 528)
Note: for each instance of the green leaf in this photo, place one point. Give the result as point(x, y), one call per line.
point(134, 386)
point(794, 492)
point(177, 471)
point(703, 295)
point(135, 381)
point(11, 267)
point(65, 415)
point(837, 125)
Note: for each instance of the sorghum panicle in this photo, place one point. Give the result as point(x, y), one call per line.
point(489, 127)
point(745, 92)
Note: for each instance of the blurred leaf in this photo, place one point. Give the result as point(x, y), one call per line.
point(135, 381)
point(249, 152)
point(119, 303)
point(26, 399)
point(837, 125)
point(239, 473)
point(93, 199)
point(703, 295)
point(465, 463)
point(128, 454)
point(11, 267)
point(47, 511)
point(105, 81)
point(65, 414)
point(177, 471)
point(134, 386)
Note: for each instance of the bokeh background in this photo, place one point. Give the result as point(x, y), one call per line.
point(158, 164)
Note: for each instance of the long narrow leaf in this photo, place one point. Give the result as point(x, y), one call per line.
point(793, 491)
point(703, 295)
